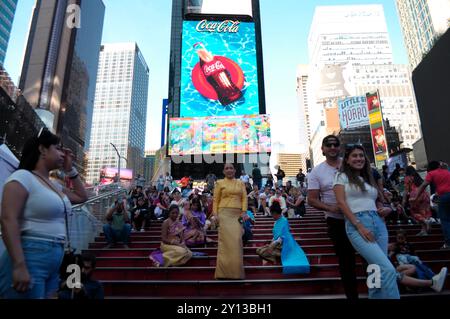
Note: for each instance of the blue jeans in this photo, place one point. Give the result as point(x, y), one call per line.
point(444, 216)
point(375, 253)
point(113, 235)
point(43, 260)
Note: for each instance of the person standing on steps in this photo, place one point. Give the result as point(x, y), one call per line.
point(359, 199)
point(33, 219)
point(321, 197)
point(230, 208)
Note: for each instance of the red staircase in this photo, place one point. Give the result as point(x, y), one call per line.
point(128, 273)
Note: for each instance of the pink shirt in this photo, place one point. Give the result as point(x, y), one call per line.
point(441, 179)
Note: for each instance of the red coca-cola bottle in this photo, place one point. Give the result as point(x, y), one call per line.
point(218, 76)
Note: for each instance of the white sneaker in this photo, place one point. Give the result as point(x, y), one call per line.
point(439, 280)
point(142, 230)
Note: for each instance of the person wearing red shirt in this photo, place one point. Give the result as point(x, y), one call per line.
point(440, 178)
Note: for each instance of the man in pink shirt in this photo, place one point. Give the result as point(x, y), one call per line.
point(440, 178)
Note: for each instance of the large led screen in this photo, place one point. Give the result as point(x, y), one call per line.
point(218, 135)
point(219, 74)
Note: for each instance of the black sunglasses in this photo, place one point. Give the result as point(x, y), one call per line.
point(333, 144)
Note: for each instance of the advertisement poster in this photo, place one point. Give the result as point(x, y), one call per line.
point(353, 112)
point(219, 74)
point(378, 134)
point(332, 82)
point(216, 135)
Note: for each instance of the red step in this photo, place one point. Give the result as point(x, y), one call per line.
point(207, 272)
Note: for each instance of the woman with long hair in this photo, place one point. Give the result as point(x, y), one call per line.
point(33, 219)
point(357, 194)
point(420, 209)
point(230, 207)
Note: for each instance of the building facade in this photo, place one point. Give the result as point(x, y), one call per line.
point(354, 33)
point(302, 98)
point(149, 165)
point(7, 12)
point(120, 110)
point(398, 101)
point(431, 85)
point(341, 36)
point(291, 163)
point(422, 23)
point(60, 67)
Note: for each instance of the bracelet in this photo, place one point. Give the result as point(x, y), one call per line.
point(72, 174)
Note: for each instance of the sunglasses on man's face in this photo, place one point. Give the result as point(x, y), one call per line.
point(336, 145)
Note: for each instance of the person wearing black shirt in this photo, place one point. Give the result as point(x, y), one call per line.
point(90, 288)
point(300, 178)
point(257, 177)
point(140, 214)
point(280, 175)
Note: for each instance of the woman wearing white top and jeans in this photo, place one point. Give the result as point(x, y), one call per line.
point(357, 194)
point(33, 219)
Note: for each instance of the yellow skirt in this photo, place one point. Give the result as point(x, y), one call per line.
point(175, 255)
point(230, 259)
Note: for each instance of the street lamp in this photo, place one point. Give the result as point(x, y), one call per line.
point(118, 160)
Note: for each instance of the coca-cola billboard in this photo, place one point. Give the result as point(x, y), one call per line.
point(219, 73)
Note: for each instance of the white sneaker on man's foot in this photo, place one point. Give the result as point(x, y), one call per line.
point(439, 280)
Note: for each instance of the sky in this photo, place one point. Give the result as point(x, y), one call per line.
point(285, 29)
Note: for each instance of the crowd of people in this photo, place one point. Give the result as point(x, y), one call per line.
point(358, 202)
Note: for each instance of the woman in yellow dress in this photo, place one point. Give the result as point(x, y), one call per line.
point(230, 205)
point(173, 251)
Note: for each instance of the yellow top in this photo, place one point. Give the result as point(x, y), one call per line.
point(230, 193)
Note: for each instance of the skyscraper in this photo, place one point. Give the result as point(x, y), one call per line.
point(350, 55)
point(422, 23)
point(398, 102)
point(120, 110)
point(7, 11)
point(60, 67)
point(354, 33)
point(341, 36)
point(302, 96)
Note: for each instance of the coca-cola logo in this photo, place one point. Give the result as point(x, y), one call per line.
point(212, 68)
point(227, 26)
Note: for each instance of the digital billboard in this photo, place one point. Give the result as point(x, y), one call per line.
point(332, 82)
point(107, 174)
point(219, 73)
point(219, 135)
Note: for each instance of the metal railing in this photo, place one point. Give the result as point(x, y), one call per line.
point(86, 220)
